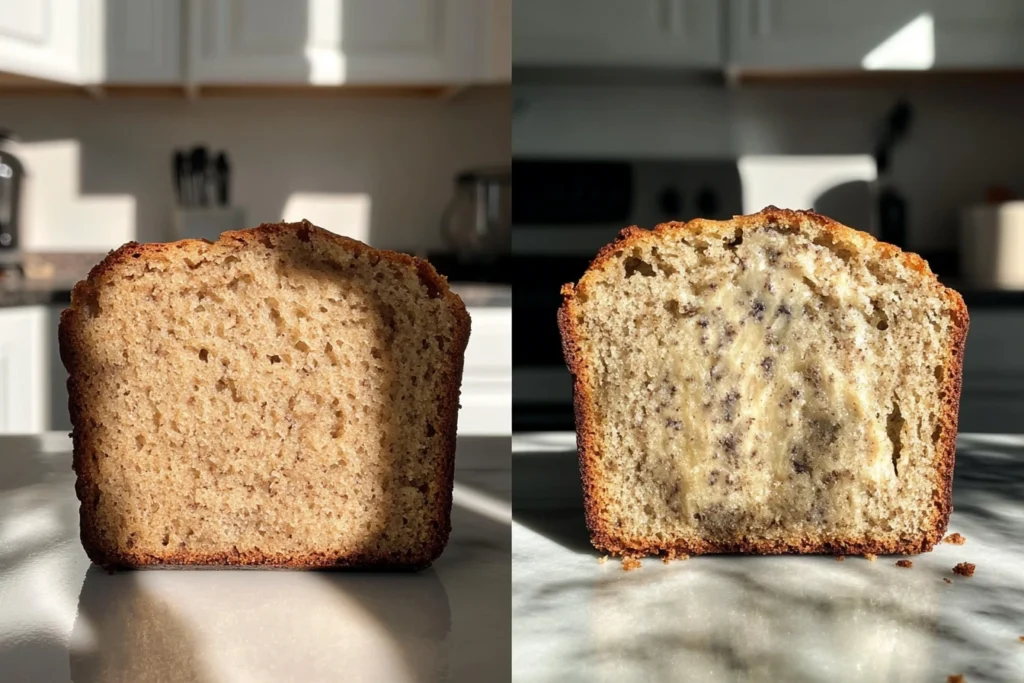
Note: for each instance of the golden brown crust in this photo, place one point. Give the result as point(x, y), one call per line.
point(82, 434)
point(605, 538)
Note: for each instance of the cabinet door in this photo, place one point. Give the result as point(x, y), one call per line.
point(639, 33)
point(486, 398)
point(23, 374)
point(41, 39)
point(875, 34)
point(333, 42)
point(142, 43)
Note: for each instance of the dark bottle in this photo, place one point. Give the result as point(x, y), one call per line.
point(12, 173)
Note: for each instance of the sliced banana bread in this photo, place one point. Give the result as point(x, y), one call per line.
point(773, 383)
point(282, 396)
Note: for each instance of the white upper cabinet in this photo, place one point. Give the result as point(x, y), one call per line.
point(811, 35)
point(143, 42)
point(619, 33)
point(42, 39)
point(334, 42)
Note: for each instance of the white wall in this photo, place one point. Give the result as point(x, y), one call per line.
point(378, 169)
point(963, 138)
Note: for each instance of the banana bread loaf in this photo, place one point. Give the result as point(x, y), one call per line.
point(282, 396)
point(773, 383)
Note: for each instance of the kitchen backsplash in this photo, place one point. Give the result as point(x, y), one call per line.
point(378, 169)
point(962, 139)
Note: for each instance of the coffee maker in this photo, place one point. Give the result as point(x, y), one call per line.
point(12, 174)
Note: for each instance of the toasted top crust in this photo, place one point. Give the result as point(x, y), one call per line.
point(435, 284)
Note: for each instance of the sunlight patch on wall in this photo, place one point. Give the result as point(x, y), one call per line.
point(57, 215)
point(344, 214)
point(912, 48)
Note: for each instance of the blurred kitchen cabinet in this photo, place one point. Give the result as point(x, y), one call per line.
point(334, 42)
point(809, 35)
point(487, 376)
point(498, 50)
point(42, 39)
point(620, 33)
point(23, 370)
point(143, 43)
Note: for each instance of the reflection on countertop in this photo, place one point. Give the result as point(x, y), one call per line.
point(796, 619)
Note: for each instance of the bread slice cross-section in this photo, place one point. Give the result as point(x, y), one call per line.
point(773, 383)
point(282, 396)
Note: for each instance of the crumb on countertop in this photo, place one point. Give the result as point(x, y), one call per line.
point(964, 569)
point(956, 678)
point(840, 558)
point(602, 559)
point(955, 539)
point(906, 564)
point(947, 580)
point(1020, 638)
point(666, 559)
point(631, 563)
point(870, 557)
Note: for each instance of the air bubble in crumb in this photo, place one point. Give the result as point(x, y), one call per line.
point(631, 563)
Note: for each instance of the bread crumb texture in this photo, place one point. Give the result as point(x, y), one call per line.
point(773, 383)
point(631, 563)
point(283, 396)
point(955, 539)
point(964, 569)
point(906, 564)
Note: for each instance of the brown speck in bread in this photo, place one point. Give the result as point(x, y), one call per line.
point(870, 557)
point(840, 558)
point(906, 564)
point(810, 512)
point(955, 539)
point(631, 563)
point(286, 422)
point(964, 569)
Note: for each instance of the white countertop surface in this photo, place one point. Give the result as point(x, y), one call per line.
point(790, 619)
point(62, 619)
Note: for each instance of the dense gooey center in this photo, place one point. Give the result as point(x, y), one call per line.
point(762, 388)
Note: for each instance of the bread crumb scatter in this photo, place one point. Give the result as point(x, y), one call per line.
point(631, 563)
point(720, 364)
point(947, 580)
point(870, 557)
point(840, 558)
point(602, 559)
point(964, 569)
point(906, 564)
point(955, 539)
point(1020, 638)
point(956, 678)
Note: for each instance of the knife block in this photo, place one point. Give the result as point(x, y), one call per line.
point(208, 223)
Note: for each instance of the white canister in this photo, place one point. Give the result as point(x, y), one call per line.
point(992, 246)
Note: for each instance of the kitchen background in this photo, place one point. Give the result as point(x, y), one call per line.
point(899, 118)
point(355, 114)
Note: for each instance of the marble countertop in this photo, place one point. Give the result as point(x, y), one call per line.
point(62, 619)
point(793, 619)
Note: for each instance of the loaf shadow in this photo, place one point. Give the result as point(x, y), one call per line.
point(547, 497)
point(182, 626)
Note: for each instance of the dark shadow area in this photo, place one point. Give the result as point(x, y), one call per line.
point(173, 626)
point(547, 497)
point(850, 203)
